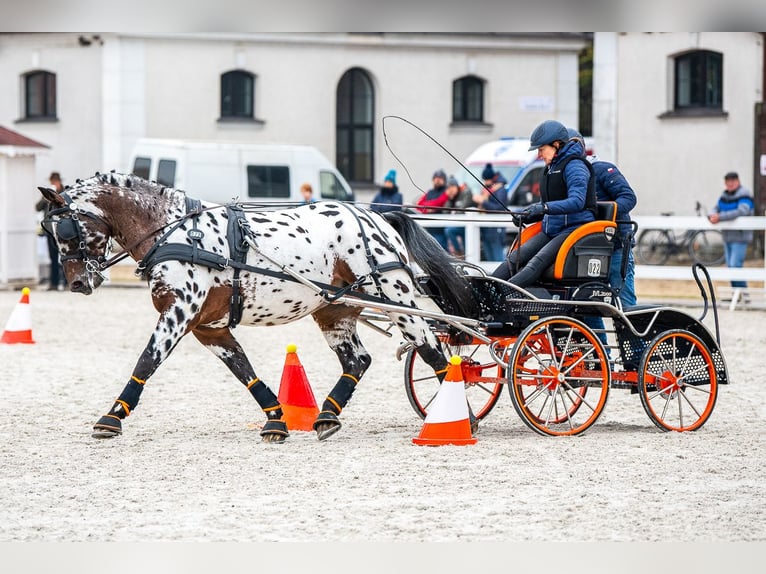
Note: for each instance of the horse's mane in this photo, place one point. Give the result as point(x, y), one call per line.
point(124, 180)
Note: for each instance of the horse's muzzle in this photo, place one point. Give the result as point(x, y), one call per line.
point(79, 286)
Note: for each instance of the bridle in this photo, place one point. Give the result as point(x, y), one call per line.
point(70, 228)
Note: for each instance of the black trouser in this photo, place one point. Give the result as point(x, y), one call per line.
point(534, 256)
point(53, 254)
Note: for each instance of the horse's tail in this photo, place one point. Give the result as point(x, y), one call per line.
point(424, 250)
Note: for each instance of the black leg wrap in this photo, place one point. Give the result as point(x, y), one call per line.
point(130, 395)
point(263, 395)
point(274, 428)
point(340, 395)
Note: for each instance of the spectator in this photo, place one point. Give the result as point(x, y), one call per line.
point(459, 199)
point(611, 185)
point(56, 279)
point(308, 194)
point(388, 198)
point(568, 199)
point(492, 197)
point(735, 201)
point(433, 201)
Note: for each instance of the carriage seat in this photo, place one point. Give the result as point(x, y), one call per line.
point(586, 253)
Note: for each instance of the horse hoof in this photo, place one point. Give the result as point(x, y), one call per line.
point(104, 433)
point(326, 430)
point(274, 432)
point(107, 426)
point(326, 425)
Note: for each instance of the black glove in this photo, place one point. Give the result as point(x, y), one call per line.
point(533, 212)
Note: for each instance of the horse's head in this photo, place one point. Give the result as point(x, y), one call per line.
point(83, 238)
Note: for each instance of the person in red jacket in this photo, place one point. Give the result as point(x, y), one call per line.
point(433, 201)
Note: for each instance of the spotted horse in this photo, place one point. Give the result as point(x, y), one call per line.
point(210, 268)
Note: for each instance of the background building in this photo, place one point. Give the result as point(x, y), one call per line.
point(676, 111)
point(90, 97)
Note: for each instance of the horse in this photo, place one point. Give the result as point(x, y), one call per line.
point(212, 267)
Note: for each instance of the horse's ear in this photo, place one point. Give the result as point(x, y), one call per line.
point(52, 196)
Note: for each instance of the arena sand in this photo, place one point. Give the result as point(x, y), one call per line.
point(190, 465)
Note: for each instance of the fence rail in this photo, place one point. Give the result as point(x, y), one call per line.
point(474, 222)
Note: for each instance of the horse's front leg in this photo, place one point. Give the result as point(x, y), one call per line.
point(223, 345)
point(338, 325)
point(171, 327)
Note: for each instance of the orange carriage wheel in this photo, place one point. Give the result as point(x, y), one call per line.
point(677, 381)
point(484, 378)
point(559, 376)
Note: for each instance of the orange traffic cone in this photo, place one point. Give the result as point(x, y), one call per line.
point(447, 421)
point(18, 329)
point(295, 395)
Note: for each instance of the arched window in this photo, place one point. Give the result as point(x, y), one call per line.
point(354, 126)
point(699, 80)
point(237, 94)
point(468, 99)
point(40, 95)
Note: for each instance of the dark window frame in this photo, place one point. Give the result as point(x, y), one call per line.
point(464, 100)
point(48, 98)
point(703, 67)
point(346, 132)
point(234, 104)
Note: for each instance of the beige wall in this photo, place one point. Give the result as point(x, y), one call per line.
point(168, 86)
point(673, 162)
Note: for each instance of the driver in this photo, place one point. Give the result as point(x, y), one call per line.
point(567, 200)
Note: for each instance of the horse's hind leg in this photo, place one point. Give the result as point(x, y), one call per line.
point(416, 330)
point(338, 325)
point(223, 345)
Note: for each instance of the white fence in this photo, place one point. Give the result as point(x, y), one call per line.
point(473, 222)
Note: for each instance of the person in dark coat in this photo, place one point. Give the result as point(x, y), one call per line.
point(388, 198)
point(56, 277)
point(568, 200)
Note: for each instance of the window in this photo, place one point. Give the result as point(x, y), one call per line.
point(142, 166)
point(330, 187)
point(699, 80)
point(354, 126)
point(268, 181)
point(237, 94)
point(166, 172)
point(468, 99)
point(40, 95)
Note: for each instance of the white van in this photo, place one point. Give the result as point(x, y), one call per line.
point(223, 172)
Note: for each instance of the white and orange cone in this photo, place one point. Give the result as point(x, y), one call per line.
point(447, 421)
point(299, 407)
point(18, 329)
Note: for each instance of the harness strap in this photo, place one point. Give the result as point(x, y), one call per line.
point(238, 249)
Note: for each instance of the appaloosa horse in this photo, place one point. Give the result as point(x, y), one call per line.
point(211, 267)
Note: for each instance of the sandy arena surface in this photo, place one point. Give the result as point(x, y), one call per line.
point(190, 465)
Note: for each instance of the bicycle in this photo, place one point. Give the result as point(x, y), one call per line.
point(705, 246)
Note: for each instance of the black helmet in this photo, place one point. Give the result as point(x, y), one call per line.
point(546, 133)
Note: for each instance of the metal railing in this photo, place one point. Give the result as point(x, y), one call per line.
point(474, 222)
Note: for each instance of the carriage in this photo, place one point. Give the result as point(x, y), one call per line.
point(211, 267)
point(558, 369)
